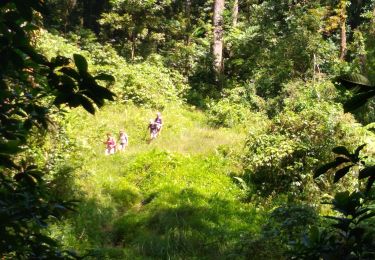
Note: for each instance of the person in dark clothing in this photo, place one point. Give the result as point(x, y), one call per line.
point(158, 121)
point(153, 129)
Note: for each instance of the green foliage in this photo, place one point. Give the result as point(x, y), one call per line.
point(233, 109)
point(290, 222)
point(174, 197)
point(282, 158)
point(171, 197)
point(149, 83)
point(177, 30)
point(30, 88)
point(345, 161)
point(277, 43)
point(351, 235)
point(272, 163)
point(362, 88)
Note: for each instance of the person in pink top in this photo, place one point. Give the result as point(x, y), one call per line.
point(110, 145)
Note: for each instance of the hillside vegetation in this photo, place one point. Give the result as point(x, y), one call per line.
point(174, 197)
point(267, 150)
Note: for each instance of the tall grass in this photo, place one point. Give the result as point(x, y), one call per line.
point(171, 198)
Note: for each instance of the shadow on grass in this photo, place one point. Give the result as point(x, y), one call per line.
point(185, 224)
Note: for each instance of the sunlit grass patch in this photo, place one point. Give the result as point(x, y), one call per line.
point(171, 198)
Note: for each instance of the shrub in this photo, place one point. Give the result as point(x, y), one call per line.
point(310, 125)
point(148, 83)
point(284, 225)
point(234, 108)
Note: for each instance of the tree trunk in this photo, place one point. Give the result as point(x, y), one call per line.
point(187, 35)
point(217, 48)
point(343, 14)
point(132, 47)
point(188, 21)
point(343, 40)
point(235, 13)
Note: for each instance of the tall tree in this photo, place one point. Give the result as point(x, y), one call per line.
point(342, 16)
point(235, 13)
point(217, 47)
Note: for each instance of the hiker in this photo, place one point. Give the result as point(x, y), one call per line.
point(123, 140)
point(159, 122)
point(153, 129)
point(110, 145)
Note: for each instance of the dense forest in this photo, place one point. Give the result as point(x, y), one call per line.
point(267, 147)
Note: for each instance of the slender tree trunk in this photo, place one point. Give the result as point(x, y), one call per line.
point(343, 29)
point(69, 6)
point(187, 35)
point(188, 21)
point(132, 48)
point(235, 13)
point(217, 48)
point(343, 39)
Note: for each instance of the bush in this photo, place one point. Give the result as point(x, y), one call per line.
point(149, 83)
point(282, 159)
point(234, 108)
point(284, 225)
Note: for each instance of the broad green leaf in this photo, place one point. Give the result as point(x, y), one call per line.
point(98, 94)
point(10, 147)
point(323, 169)
point(87, 104)
point(59, 61)
point(74, 100)
point(46, 239)
point(103, 92)
point(367, 172)
point(358, 100)
point(370, 215)
point(242, 183)
point(106, 77)
point(80, 62)
point(357, 151)
point(370, 182)
point(68, 84)
point(6, 161)
point(36, 57)
point(342, 223)
point(70, 72)
point(341, 173)
point(30, 180)
point(341, 150)
point(361, 212)
point(353, 80)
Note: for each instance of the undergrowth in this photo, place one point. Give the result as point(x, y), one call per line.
point(172, 198)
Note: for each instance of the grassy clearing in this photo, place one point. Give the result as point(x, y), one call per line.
point(184, 131)
point(173, 198)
